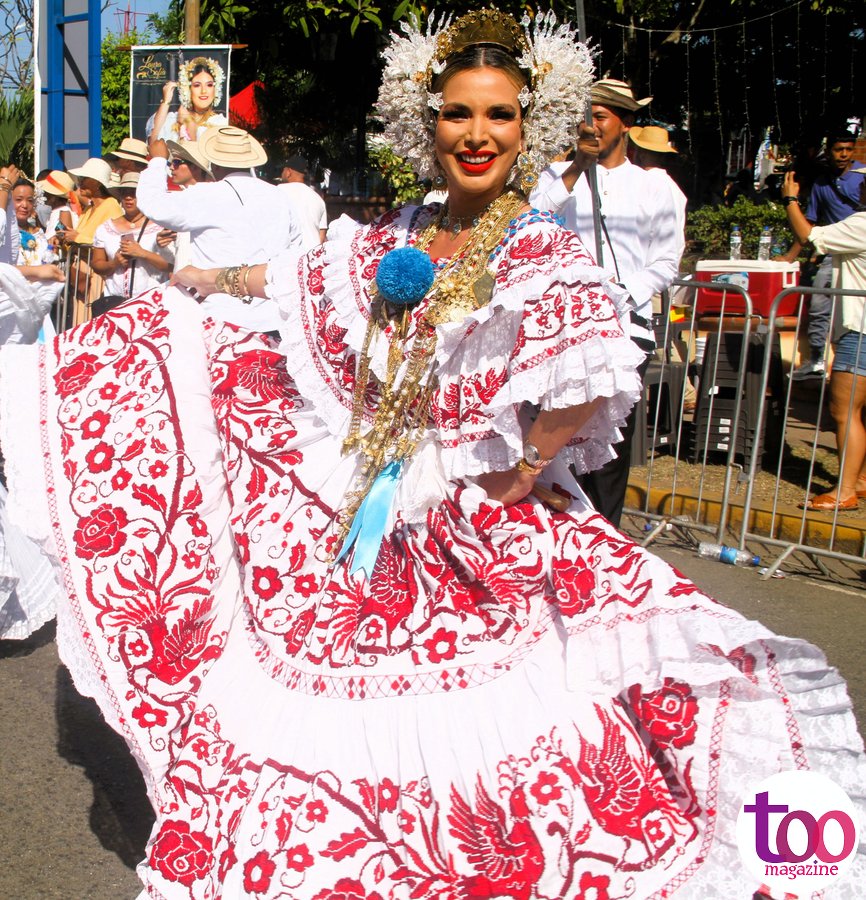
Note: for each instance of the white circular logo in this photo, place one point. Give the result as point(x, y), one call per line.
point(797, 832)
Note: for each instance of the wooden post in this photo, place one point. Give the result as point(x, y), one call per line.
point(191, 22)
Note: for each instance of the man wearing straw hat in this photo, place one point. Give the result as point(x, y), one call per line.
point(236, 219)
point(641, 242)
point(188, 167)
point(130, 156)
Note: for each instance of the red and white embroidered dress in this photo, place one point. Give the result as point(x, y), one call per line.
point(517, 704)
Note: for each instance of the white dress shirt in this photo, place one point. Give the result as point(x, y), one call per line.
point(643, 242)
point(310, 213)
point(240, 219)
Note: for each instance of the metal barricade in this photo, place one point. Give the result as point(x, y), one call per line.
point(689, 432)
point(82, 283)
point(783, 527)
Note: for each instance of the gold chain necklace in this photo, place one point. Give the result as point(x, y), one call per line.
point(462, 285)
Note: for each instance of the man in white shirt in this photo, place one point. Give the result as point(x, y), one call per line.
point(307, 205)
point(236, 219)
point(188, 167)
point(641, 241)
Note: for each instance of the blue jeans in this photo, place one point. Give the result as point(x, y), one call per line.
point(820, 309)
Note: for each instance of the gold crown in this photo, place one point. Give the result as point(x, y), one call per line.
point(483, 26)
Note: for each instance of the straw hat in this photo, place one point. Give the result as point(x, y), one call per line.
point(95, 168)
point(232, 148)
point(132, 149)
point(57, 183)
point(651, 137)
point(610, 92)
point(190, 152)
point(129, 180)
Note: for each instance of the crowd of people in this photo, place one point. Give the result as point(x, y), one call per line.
point(336, 520)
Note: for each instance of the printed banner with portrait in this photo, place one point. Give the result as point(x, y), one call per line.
point(201, 97)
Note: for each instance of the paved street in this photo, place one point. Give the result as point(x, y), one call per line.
point(75, 817)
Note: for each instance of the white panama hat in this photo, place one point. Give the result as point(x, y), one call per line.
point(232, 148)
point(95, 168)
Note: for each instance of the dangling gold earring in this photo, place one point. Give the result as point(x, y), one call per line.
point(527, 172)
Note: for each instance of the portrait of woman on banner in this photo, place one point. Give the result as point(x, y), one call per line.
point(200, 87)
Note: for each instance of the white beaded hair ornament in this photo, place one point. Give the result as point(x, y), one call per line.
point(559, 69)
point(185, 77)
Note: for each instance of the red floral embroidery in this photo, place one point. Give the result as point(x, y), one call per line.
point(181, 854)
point(100, 458)
point(406, 821)
point(147, 716)
point(101, 532)
point(261, 372)
point(347, 889)
point(442, 646)
point(299, 857)
point(197, 525)
point(120, 479)
point(94, 426)
point(258, 872)
point(306, 585)
point(574, 583)
point(389, 794)
point(266, 581)
point(72, 378)
point(317, 811)
point(668, 714)
point(298, 631)
point(546, 788)
point(593, 887)
point(157, 469)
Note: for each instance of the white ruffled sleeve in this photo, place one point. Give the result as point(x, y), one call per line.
point(23, 305)
point(550, 338)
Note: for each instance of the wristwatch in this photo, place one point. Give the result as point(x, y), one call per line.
point(532, 461)
point(789, 199)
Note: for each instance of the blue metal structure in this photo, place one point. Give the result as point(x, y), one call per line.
point(72, 86)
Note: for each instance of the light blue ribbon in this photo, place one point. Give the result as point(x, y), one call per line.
point(368, 526)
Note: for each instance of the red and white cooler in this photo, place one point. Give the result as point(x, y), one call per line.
point(763, 279)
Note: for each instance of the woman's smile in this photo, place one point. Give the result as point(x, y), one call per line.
point(476, 163)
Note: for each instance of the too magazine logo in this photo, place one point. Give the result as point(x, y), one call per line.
point(797, 832)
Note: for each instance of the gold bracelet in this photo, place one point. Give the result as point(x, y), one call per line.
point(220, 281)
point(233, 282)
point(524, 466)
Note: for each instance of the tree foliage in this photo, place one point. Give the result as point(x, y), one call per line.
point(16, 130)
point(16, 46)
point(115, 87)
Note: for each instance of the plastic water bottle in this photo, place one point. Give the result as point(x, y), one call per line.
point(765, 242)
point(729, 555)
point(736, 242)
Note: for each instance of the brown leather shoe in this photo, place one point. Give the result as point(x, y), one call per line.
point(828, 502)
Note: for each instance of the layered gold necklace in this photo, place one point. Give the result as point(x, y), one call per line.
point(462, 285)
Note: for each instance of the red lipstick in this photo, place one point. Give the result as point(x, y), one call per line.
point(476, 168)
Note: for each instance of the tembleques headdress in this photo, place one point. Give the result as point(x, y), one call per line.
point(185, 77)
point(559, 71)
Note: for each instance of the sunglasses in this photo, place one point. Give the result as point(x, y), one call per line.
point(177, 163)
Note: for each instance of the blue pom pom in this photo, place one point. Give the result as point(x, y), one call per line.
point(404, 276)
